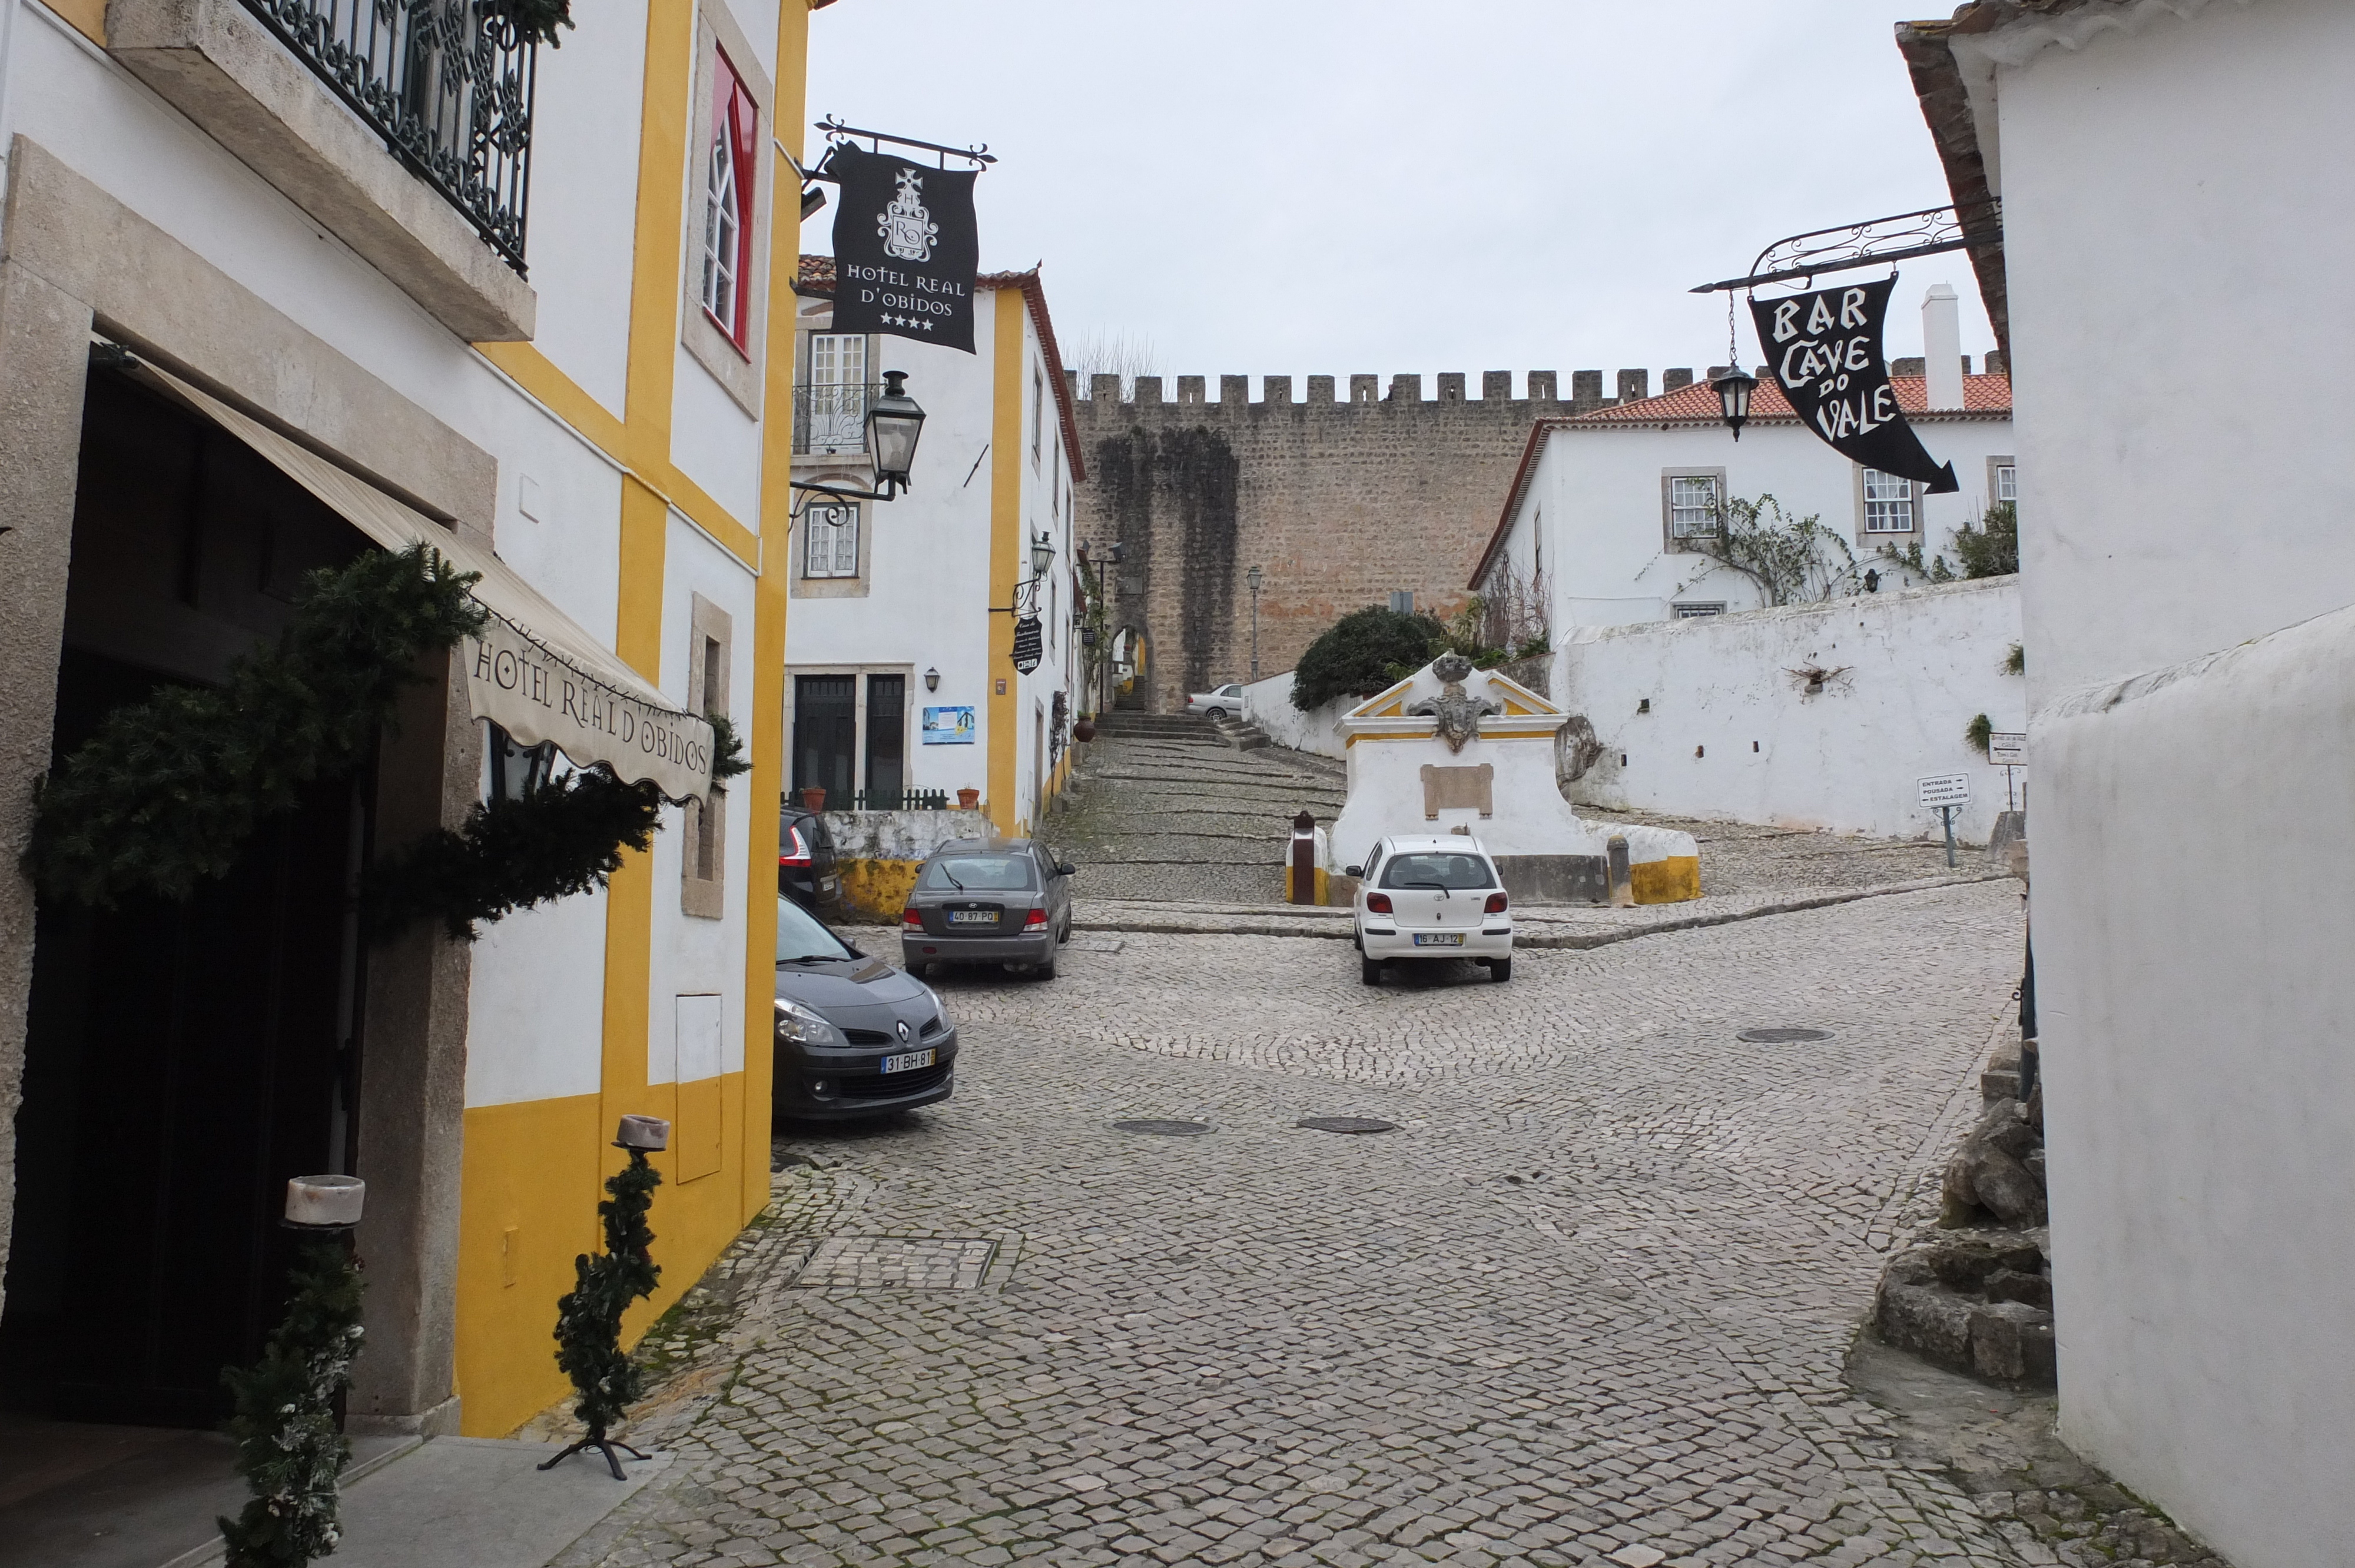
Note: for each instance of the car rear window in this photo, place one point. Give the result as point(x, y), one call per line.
point(1452, 872)
point(980, 874)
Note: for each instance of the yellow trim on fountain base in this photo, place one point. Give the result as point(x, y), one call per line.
point(1671, 881)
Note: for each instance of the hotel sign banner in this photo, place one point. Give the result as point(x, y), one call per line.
point(535, 693)
point(905, 248)
point(1824, 351)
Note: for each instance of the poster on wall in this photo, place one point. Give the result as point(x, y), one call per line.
point(905, 248)
point(1824, 351)
point(947, 726)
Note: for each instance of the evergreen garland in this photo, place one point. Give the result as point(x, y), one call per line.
point(589, 1316)
point(289, 1447)
point(166, 793)
point(535, 21)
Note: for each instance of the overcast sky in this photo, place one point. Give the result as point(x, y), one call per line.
point(1336, 186)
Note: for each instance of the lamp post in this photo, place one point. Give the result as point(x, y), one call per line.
point(894, 423)
point(1251, 578)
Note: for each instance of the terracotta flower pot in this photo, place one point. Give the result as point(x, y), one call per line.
point(1084, 730)
point(968, 799)
point(813, 798)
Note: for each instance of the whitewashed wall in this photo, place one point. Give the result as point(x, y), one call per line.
point(1730, 732)
point(1268, 705)
point(2193, 909)
point(2176, 273)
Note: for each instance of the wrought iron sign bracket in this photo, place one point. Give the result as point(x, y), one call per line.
point(838, 134)
point(1879, 241)
point(891, 492)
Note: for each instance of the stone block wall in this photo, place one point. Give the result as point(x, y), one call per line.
point(1340, 501)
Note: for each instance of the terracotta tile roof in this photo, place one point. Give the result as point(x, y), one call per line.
point(1696, 404)
point(817, 276)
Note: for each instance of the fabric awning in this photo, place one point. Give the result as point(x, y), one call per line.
point(533, 672)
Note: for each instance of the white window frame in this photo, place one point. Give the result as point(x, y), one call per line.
point(836, 524)
point(2002, 472)
point(723, 217)
point(1677, 535)
point(836, 386)
point(1884, 507)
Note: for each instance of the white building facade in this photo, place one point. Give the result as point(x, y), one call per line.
point(583, 386)
point(2172, 269)
point(900, 686)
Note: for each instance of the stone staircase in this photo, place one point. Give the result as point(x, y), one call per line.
point(1167, 807)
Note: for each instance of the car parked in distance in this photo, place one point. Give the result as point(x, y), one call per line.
point(856, 1037)
point(806, 873)
point(1433, 896)
point(1217, 701)
point(990, 901)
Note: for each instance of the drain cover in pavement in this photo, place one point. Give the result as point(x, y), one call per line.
point(914, 1263)
point(1345, 1124)
point(1164, 1128)
point(1782, 1036)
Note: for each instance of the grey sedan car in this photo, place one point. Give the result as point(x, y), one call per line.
point(991, 901)
point(855, 1037)
point(1217, 701)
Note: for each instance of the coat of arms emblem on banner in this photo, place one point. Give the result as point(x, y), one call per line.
point(907, 230)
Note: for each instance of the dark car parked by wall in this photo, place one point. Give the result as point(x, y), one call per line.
point(806, 873)
point(855, 1036)
point(992, 901)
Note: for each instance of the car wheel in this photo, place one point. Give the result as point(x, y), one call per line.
point(919, 968)
point(1371, 971)
point(1500, 970)
point(1045, 972)
point(1064, 935)
point(1215, 713)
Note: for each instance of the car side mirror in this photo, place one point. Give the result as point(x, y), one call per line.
point(1065, 868)
point(1353, 871)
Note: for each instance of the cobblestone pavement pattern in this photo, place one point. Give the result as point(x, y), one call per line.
point(1588, 1304)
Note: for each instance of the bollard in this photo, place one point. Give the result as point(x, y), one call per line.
point(1623, 887)
point(1300, 876)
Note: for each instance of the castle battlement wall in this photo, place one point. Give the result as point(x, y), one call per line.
point(1542, 394)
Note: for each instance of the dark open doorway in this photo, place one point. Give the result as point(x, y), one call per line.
point(183, 1059)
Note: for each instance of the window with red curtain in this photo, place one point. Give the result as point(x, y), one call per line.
point(730, 178)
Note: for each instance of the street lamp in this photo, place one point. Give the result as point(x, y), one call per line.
point(1733, 390)
point(1042, 555)
point(894, 422)
point(1251, 579)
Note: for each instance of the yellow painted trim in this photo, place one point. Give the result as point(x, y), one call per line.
point(566, 398)
point(878, 889)
point(1006, 461)
point(87, 18)
point(1485, 734)
point(1671, 881)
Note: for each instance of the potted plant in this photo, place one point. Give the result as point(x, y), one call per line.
point(814, 796)
point(1085, 729)
point(968, 799)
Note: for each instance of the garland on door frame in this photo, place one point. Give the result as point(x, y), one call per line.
point(289, 1448)
point(166, 795)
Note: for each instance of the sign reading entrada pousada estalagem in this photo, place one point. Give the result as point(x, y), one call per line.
point(905, 250)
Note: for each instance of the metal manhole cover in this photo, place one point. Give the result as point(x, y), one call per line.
point(1164, 1128)
point(1345, 1124)
point(1782, 1036)
point(908, 1263)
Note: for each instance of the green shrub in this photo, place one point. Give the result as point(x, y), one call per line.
point(1355, 658)
point(1991, 549)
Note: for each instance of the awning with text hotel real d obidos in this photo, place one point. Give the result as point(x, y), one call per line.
point(534, 670)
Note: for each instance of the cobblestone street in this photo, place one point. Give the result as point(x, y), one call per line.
point(1589, 1303)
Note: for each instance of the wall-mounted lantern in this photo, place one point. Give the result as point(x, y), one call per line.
point(1042, 555)
point(932, 680)
point(894, 423)
point(1733, 390)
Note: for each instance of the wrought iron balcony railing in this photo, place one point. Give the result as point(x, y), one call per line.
point(447, 84)
point(830, 419)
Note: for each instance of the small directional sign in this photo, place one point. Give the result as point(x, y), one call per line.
point(2008, 748)
point(1946, 790)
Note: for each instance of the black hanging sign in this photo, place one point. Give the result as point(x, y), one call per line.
point(1825, 349)
point(905, 250)
point(1028, 643)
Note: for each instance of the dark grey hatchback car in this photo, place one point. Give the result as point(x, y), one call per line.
point(856, 1037)
point(989, 901)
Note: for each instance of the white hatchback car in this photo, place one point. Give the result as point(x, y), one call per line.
point(1433, 897)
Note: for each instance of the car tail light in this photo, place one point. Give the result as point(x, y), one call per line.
point(796, 851)
point(912, 920)
point(1377, 903)
point(1495, 903)
point(1036, 918)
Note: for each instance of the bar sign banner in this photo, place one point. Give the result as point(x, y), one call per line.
point(905, 248)
point(1825, 352)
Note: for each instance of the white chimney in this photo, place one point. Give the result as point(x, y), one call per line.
point(1942, 347)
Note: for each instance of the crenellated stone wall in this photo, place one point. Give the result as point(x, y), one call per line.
point(1341, 498)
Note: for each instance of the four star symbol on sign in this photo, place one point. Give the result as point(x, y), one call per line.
point(906, 322)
